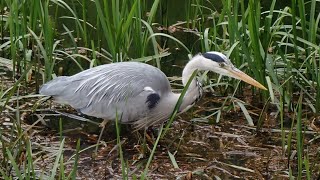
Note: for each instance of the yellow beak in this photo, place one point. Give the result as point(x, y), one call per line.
point(236, 73)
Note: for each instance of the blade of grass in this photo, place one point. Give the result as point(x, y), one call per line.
point(173, 160)
point(73, 173)
point(123, 163)
point(306, 163)
point(31, 167)
point(106, 28)
point(56, 163)
point(171, 37)
point(152, 14)
point(299, 137)
point(14, 164)
point(162, 131)
point(246, 113)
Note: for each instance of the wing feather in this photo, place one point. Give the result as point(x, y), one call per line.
point(117, 85)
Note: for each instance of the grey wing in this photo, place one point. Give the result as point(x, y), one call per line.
point(129, 89)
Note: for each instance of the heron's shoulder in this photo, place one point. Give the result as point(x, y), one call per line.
point(121, 68)
point(132, 64)
point(124, 66)
point(135, 68)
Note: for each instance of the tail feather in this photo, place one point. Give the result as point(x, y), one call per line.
point(55, 86)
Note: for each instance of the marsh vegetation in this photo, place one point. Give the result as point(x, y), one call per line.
point(235, 132)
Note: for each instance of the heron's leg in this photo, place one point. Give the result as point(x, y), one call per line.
point(103, 126)
point(145, 140)
point(149, 135)
point(104, 123)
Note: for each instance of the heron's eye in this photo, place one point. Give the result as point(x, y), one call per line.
point(222, 65)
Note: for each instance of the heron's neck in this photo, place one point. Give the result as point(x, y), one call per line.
point(188, 71)
point(194, 91)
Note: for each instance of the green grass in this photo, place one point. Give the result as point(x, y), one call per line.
point(277, 46)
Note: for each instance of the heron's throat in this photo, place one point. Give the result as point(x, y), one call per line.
point(191, 66)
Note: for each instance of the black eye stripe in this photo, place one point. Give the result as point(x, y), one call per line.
point(213, 57)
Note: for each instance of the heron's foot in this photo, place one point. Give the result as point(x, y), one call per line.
point(150, 139)
point(153, 131)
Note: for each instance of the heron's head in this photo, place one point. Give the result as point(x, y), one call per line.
point(219, 63)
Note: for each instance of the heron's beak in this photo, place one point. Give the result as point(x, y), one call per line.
point(236, 73)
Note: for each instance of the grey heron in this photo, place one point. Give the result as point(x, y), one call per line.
point(139, 93)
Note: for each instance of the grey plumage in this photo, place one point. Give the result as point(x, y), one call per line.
point(138, 93)
point(103, 90)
